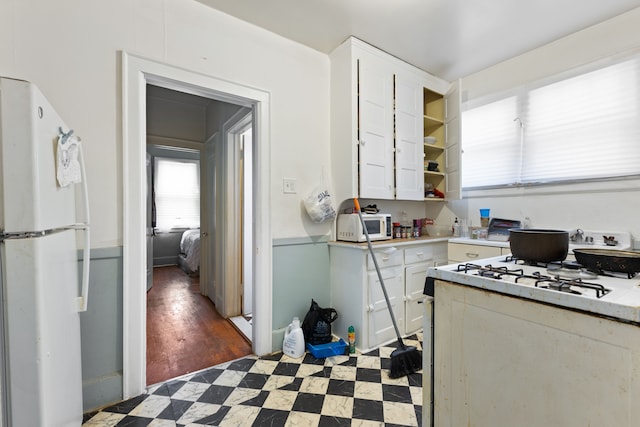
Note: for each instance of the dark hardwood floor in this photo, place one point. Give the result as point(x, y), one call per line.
point(185, 333)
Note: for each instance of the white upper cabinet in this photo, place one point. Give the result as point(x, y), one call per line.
point(375, 101)
point(378, 124)
point(409, 112)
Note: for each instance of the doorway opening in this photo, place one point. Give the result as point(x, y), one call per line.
point(185, 328)
point(137, 73)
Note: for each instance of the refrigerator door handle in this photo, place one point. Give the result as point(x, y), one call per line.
point(86, 257)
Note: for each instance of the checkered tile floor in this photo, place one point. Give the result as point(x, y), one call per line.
point(277, 390)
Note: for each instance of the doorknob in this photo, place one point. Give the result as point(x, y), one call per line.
point(204, 234)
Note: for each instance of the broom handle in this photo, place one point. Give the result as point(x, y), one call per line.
point(375, 263)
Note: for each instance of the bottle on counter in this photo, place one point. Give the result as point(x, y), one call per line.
point(351, 337)
point(464, 229)
point(417, 227)
point(456, 228)
point(397, 230)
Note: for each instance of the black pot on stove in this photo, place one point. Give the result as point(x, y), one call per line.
point(539, 245)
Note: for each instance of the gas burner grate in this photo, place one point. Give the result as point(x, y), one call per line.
point(565, 285)
point(540, 280)
point(519, 261)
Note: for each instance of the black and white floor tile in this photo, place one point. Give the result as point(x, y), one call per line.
point(277, 390)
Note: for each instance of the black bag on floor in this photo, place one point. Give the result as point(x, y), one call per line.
point(316, 325)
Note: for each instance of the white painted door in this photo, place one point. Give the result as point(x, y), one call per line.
point(207, 219)
point(376, 128)
point(247, 222)
point(409, 147)
point(452, 145)
point(380, 326)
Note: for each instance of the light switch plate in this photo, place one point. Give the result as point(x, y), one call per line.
point(289, 185)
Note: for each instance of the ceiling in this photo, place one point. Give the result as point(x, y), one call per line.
point(448, 38)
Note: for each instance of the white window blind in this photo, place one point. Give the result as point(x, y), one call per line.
point(490, 155)
point(583, 127)
point(177, 193)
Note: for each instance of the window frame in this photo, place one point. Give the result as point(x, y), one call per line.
point(521, 93)
point(169, 158)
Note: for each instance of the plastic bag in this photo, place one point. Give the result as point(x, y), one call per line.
point(316, 325)
point(319, 204)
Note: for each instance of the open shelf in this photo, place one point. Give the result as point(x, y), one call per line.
point(434, 126)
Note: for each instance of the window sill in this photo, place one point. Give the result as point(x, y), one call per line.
point(614, 185)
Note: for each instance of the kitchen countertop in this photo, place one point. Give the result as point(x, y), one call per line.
point(390, 243)
point(626, 244)
point(480, 242)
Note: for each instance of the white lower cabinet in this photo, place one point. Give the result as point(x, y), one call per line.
point(357, 296)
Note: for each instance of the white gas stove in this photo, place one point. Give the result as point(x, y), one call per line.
point(482, 342)
point(615, 296)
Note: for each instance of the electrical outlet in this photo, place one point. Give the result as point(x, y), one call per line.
point(289, 185)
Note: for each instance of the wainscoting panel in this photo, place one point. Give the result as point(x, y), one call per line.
point(300, 273)
point(101, 330)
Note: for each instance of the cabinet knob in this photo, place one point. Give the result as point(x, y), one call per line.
point(361, 142)
point(370, 307)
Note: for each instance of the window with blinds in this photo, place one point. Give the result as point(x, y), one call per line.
point(585, 127)
point(177, 193)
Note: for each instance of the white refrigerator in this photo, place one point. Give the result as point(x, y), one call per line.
point(43, 289)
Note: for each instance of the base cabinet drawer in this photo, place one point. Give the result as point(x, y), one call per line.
point(459, 252)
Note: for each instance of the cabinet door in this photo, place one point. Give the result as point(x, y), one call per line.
point(452, 146)
point(409, 137)
point(380, 326)
point(414, 297)
point(376, 128)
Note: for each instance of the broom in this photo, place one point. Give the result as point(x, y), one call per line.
point(405, 359)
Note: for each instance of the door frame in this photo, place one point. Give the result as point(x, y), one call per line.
point(136, 73)
point(232, 243)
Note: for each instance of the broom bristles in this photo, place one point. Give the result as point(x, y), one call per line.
point(405, 360)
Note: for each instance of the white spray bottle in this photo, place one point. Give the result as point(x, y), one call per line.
point(293, 344)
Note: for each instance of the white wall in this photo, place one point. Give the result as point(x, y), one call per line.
point(605, 206)
point(70, 49)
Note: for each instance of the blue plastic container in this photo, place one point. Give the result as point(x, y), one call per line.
point(335, 348)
